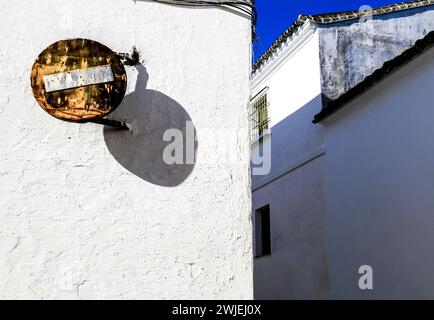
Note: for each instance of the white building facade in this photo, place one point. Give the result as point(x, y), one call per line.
point(352, 191)
point(91, 212)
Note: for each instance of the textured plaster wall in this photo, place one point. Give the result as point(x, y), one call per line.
point(351, 51)
point(88, 212)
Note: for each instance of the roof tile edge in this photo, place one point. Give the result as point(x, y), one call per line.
point(389, 67)
point(330, 18)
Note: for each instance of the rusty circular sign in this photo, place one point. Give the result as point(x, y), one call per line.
point(78, 80)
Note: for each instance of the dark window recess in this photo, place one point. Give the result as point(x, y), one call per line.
point(262, 232)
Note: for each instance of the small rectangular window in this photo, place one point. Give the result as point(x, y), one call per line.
point(262, 232)
point(259, 120)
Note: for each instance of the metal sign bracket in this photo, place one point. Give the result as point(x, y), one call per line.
point(128, 60)
point(110, 123)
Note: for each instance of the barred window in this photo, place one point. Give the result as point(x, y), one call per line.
point(259, 120)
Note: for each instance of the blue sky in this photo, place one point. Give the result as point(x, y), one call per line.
point(277, 15)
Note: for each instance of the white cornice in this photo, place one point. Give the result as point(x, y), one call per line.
point(286, 51)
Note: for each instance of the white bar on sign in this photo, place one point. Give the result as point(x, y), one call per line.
point(78, 78)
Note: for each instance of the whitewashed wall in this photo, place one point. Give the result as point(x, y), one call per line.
point(358, 190)
point(293, 81)
point(294, 188)
point(86, 212)
point(379, 178)
point(292, 75)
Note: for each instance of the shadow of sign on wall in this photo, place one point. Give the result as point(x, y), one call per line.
point(140, 150)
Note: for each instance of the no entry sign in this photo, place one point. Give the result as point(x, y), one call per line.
point(78, 80)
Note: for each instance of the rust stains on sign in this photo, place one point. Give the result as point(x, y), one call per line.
point(78, 80)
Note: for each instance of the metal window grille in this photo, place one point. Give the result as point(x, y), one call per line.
point(259, 120)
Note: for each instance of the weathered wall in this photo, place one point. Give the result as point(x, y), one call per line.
point(379, 187)
point(87, 212)
point(353, 50)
